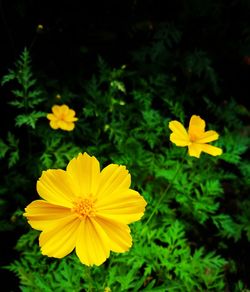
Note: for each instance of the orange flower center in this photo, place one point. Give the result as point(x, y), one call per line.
point(192, 137)
point(84, 208)
point(62, 116)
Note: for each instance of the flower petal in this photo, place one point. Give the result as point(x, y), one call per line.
point(195, 150)
point(64, 109)
point(178, 141)
point(84, 172)
point(113, 177)
point(196, 126)
point(124, 206)
point(54, 124)
point(67, 126)
point(120, 239)
point(40, 214)
point(212, 150)
point(51, 117)
point(207, 137)
point(70, 117)
point(61, 240)
point(56, 109)
point(179, 135)
point(92, 245)
point(54, 187)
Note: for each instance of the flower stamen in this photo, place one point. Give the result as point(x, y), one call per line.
point(192, 137)
point(84, 208)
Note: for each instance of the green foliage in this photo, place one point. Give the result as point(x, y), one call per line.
point(3, 148)
point(28, 96)
point(11, 147)
point(30, 119)
point(198, 63)
point(227, 227)
point(57, 153)
point(233, 151)
point(170, 259)
point(123, 115)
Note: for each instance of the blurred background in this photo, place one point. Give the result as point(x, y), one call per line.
point(71, 35)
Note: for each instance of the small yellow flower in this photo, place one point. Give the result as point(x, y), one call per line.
point(85, 209)
point(39, 28)
point(195, 138)
point(58, 96)
point(62, 117)
point(107, 289)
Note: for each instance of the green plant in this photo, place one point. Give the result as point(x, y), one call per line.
point(123, 117)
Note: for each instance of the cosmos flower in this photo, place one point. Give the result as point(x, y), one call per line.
point(85, 209)
point(195, 138)
point(62, 117)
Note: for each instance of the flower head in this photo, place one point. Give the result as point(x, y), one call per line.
point(195, 138)
point(62, 117)
point(39, 28)
point(86, 209)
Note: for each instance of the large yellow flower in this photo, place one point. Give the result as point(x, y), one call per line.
point(195, 138)
point(86, 209)
point(62, 117)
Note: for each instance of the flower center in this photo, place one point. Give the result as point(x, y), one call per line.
point(62, 116)
point(192, 137)
point(84, 208)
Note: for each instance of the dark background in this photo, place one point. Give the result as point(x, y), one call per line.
point(75, 33)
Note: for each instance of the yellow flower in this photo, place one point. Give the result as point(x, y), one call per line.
point(86, 209)
point(58, 96)
point(39, 28)
point(195, 138)
point(62, 117)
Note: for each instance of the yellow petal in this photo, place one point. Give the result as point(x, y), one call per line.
point(56, 109)
point(54, 187)
point(92, 245)
point(207, 137)
point(67, 126)
point(180, 135)
point(113, 177)
point(120, 239)
point(196, 126)
point(70, 117)
point(71, 113)
point(179, 141)
point(84, 173)
point(51, 117)
point(212, 150)
point(61, 240)
point(195, 150)
point(64, 109)
point(40, 214)
point(54, 124)
point(124, 206)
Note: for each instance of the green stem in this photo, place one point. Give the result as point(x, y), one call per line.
point(166, 190)
point(90, 282)
point(25, 95)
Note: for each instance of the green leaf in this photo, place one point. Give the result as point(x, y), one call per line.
point(29, 119)
point(227, 226)
point(13, 158)
point(8, 77)
point(118, 85)
point(3, 148)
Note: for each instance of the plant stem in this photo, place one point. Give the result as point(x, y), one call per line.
point(166, 190)
point(90, 282)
